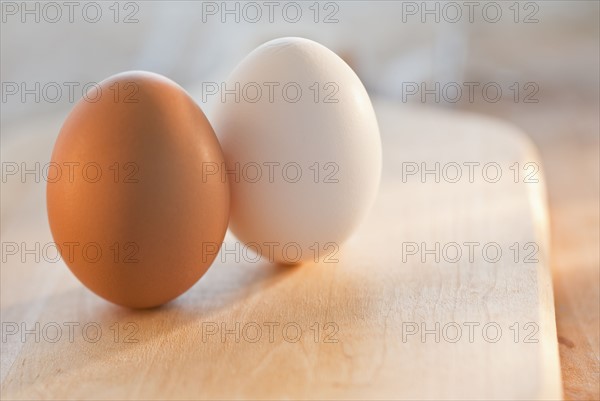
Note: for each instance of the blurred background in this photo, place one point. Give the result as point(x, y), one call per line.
point(535, 64)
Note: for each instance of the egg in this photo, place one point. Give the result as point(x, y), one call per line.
point(302, 151)
point(130, 206)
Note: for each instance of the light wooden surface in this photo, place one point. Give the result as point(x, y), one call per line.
point(368, 299)
point(575, 231)
point(568, 144)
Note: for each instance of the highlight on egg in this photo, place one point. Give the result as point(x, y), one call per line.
point(302, 150)
point(136, 214)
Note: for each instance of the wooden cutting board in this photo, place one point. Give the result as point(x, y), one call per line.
point(386, 321)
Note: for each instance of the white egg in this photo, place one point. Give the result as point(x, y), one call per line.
point(302, 150)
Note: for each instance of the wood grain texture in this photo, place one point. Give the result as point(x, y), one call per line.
point(568, 144)
point(364, 305)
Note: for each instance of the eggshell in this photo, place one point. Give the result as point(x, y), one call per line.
point(143, 219)
point(287, 218)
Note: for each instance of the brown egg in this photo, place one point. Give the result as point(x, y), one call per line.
point(132, 208)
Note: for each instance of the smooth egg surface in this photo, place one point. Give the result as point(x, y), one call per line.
point(302, 150)
point(130, 207)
